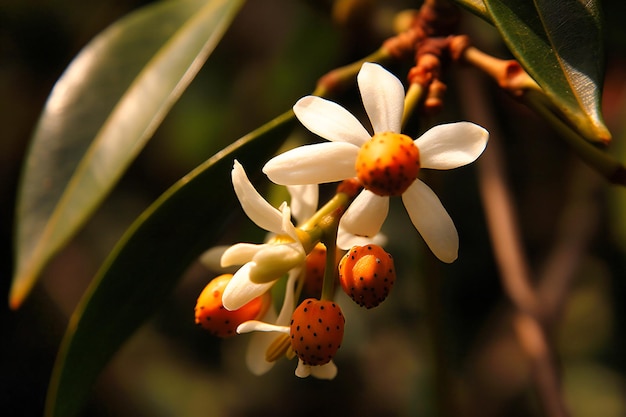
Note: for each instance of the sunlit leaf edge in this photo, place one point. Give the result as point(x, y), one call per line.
point(586, 76)
point(476, 7)
point(148, 261)
point(29, 266)
point(558, 90)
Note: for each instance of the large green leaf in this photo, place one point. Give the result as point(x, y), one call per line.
point(475, 6)
point(99, 116)
point(148, 261)
point(560, 45)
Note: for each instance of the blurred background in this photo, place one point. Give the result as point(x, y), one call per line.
point(442, 343)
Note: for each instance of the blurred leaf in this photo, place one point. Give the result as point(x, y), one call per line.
point(99, 116)
point(475, 6)
point(559, 43)
point(148, 261)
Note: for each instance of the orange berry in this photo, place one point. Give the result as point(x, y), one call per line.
point(388, 163)
point(212, 316)
point(367, 274)
point(316, 331)
point(314, 270)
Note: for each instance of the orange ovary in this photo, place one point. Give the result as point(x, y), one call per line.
point(388, 163)
point(212, 315)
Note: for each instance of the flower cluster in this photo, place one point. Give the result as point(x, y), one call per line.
point(370, 168)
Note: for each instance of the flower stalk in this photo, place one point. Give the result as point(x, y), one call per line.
point(339, 78)
point(329, 240)
point(414, 96)
point(333, 207)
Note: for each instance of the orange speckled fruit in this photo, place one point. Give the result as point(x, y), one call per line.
point(367, 274)
point(314, 272)
point(316, 331)
point(212, 316)
point(388, 163)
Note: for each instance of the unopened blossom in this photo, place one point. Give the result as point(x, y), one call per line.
point(303, 203)
point(263, 264)
point(387, 163)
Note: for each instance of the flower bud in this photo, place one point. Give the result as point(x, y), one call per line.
point(212, 316)
point(275, 261)
point(316, 331)
point(367, 274)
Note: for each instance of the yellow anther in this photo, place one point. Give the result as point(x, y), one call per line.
point(278, 348)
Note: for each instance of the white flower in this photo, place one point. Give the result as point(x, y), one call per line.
point(265, 336)
point(304, 199)
point(442, 147)
point(263, 264)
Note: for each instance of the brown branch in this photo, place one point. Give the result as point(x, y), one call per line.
point(579, 223)
point(514, 270)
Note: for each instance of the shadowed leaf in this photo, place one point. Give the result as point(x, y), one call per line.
point(146, 264)
point(475, 6)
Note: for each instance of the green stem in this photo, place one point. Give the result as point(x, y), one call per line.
point(330, 271)
point(322, 227)
point(413, 97)
point(341, 77)
point(339, 201)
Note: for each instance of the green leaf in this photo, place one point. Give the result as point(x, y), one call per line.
point(99, 116)
point(148, 261)
point(475, 6)
point(559, 43)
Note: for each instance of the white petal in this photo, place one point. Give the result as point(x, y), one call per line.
point(347, 240)
point(240, 254)
point(258, 210)
point(255, 354)
point(326, 371)
point(380, 239)
point(258, 344)
point(260, 326)
point(289, 229)
point(330, 121)
point(241, 290)
point(302, 370)
point(432, 220)
point(211, 258)
point(365, 216)
point(383, 97)
point(304, 199)
point(313, 164)
point(284, 317)
point(451, 145)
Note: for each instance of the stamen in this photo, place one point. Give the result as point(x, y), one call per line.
point(278, 348)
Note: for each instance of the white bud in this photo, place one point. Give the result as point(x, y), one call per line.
point(274, 261)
